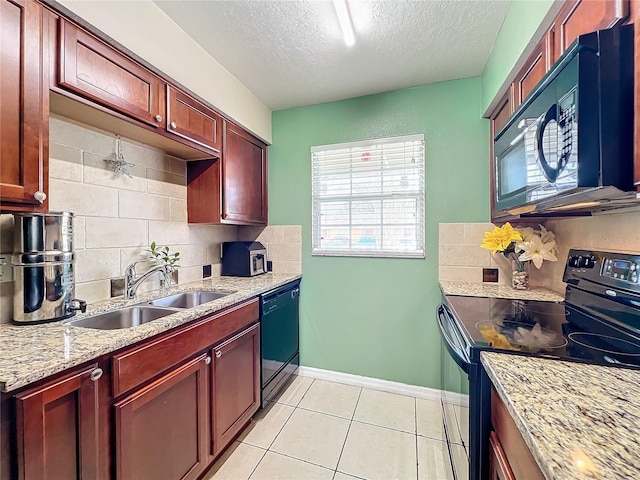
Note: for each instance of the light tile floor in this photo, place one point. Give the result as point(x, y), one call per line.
point(317, 429)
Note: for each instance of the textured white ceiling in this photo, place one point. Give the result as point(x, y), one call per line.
point(291, 53)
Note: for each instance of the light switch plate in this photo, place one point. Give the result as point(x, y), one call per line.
point(6, 270)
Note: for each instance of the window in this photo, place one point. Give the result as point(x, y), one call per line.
point(368, 198)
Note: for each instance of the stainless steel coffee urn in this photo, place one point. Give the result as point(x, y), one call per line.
point(44, 285)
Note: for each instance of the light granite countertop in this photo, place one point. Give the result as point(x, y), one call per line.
point(494, 290)
point(579, 421)
point(32, 352)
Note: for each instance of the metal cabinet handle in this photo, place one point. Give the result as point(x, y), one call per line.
point(158, 118)
point(40, 196)
point(218, 353)
point(174, 125)
point(96, 374)
point(207, 360)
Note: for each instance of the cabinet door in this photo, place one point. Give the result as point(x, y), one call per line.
point(93, 70)
point(533, 70)
point(24, 116)
point(583, 16)
point(502, 113)
point(244, 178)
point(235, 385)
point(498, 466)
point(59, 428)
point(190, 119)
point(161, 430)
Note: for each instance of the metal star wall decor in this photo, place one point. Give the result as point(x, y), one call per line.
point(118, 163)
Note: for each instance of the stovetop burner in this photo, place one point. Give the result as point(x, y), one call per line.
point(606, 344)
point(599, 322)
point(520, 336)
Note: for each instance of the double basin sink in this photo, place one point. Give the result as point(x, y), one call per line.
point(139, 314)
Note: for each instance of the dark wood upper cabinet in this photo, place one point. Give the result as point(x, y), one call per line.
point(61, 431)
point(161, 429)
point(232, 189)
point(532, 72)
point(235, 384)
point(503, 112)
point(91, 69)
point(191, 120)
point(243, 177)
point(24, 116)
point(583, 16)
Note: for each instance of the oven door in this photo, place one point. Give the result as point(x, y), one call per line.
point(454, 369)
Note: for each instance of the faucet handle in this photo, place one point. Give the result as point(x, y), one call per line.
point(131, 268)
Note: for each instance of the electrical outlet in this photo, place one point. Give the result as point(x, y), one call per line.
point(490, 275)
point(206, 271)
point(6, 270)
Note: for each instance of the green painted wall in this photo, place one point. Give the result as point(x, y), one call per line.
point(375, 317)
point(521, 22)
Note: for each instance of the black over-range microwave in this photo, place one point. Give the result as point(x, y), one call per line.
point(570, 144)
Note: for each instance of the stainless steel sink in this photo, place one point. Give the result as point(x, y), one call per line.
point(188, 299)
point(123, 318)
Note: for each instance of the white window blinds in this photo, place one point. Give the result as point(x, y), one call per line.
point(368, 198)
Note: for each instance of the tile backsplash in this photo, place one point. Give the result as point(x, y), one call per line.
point(116, 218)
point(609, 232)
point(283, 244)
point(462, 259)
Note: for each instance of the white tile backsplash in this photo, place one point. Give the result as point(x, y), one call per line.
point(283, 244)
point(117, 217)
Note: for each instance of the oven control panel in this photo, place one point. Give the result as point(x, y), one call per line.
point(614, 269)
point(623, 269)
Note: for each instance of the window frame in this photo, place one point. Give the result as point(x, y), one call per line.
point(418, 195)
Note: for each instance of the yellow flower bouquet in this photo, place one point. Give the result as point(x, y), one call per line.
point(521, 246)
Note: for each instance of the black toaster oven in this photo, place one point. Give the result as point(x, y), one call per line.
point(243, 259)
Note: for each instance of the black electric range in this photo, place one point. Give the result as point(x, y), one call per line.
point(598, 323)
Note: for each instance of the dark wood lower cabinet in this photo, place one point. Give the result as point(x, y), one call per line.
point(510, 457)
point(498, 465)
point(235, 385)
point(161, 429)
point(59, 428)
point(142, 413)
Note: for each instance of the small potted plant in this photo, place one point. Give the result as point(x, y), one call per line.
point(163, 256)
point(521, 246)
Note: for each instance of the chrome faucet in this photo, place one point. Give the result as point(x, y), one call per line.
point(132, 281)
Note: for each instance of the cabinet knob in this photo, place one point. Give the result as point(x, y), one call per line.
point(218, 353)
point(40, 196)
point(174, 125)
point(207, 360)
point(96, 374)
point(158, 118)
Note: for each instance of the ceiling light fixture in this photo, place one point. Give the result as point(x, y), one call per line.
point(342, 11)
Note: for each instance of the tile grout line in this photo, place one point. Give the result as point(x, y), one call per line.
point(415, 417)
point(298, 459)
point(288, 418)
point(259, 461)
point(348, 430)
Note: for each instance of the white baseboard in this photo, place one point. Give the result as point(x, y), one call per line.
point(385, 385)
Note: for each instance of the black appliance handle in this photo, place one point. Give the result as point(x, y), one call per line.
point(549, 172)
point(454, 350)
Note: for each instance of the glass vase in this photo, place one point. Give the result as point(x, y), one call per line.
point(520, 275)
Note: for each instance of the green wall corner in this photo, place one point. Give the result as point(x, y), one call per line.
point(522, 21)
point(370, 316)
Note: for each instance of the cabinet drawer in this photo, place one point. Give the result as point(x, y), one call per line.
point(515, 449)
point(139, 364)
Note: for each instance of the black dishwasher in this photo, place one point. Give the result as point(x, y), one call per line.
point(279, 344)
